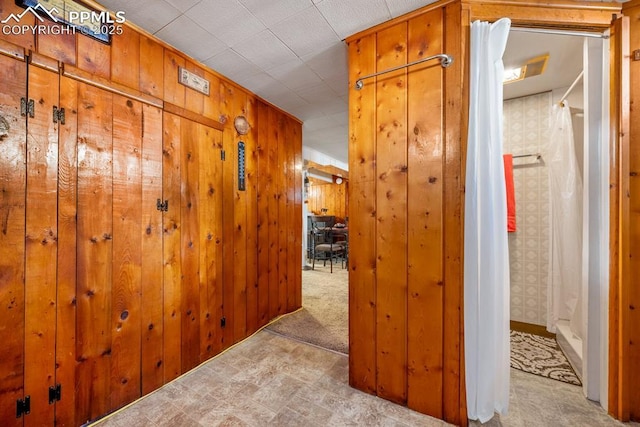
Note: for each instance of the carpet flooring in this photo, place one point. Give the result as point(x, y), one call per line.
point(324, 317)
point(541, 356)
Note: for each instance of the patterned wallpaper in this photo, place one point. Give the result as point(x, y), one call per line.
point(526, 130)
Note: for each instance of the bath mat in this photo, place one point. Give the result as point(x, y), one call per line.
point(541, 356)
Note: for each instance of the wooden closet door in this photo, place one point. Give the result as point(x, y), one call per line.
point(66, 362)
point(95, 252)
point(152, 283)
point(13, 74)
point(211, 238)
point(41, 245)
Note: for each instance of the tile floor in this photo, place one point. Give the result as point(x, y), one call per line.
point(269, 380)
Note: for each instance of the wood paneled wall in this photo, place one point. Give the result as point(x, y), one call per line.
point(325, 195)
point(407, 148)
point(101, 292)
point(405, 201)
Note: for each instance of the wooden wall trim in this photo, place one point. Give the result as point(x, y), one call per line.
point(12, 50)
point(568, 14)
point(620, 336)
point(44, 62)
point(631, 228)
point(106, 84)
point(195, 117)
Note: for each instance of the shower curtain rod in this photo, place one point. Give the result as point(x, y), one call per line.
point(445, 61)
point(559, 32)
point(575, 82)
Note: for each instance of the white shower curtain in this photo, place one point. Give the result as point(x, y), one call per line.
point(565, 197)
point(486, 251)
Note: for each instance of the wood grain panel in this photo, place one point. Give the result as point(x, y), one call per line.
point(174, 92)
point(227, 92)
point(619, 291)
point(41, 246)
point(125, 58)
point(212, 102)
point(391, 196)
point(282, 224)
point(633, 12)
point(455, 128)
point(59, 46)
point(95, 246)
point(12, 242)
point(126, 320)
point(273, 196)
point(425, 229)
point(66, 362)
point(296, 141)
point(240, 203)
point(324, 195)
point(171, 224)
point(362, 221)
point(263, 201)
point(210, 242)
point(190, 246)
point(194, 100)
point(293, 266)
point(152, 357)
point(151, 73)
point(252, 180)
point(93, 56)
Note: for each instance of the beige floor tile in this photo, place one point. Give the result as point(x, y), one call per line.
point(270, 380)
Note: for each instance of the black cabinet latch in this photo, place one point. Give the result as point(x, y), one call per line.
point(55, 394)
point(162, 206)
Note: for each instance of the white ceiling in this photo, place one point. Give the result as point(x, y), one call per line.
point(289, 52)
point(292, 54)
point(564, 65)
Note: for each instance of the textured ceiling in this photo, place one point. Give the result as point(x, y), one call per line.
point(289, 52)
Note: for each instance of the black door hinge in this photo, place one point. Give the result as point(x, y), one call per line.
point(223, 322)
point(55, 394)
point(23, 107)
point(31, 108)
point(162, 206)
point(223, 155)
point(23, 406)
point(58, 115)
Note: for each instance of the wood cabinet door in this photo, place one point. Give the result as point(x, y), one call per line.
point(13, 130)
point(192, 242)
point(41, 240)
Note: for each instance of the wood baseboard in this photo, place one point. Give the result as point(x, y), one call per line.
point(531, 329)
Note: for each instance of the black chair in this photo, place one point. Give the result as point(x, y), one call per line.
point(326, 245)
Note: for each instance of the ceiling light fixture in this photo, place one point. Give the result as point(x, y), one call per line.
point(533, 67)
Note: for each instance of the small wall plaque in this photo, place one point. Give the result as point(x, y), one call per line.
point(193, 81)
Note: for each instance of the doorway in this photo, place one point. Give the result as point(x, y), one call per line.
point(571, 72)
point(323, 318)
